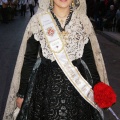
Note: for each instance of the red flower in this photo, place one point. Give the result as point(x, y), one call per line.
point(104, 95)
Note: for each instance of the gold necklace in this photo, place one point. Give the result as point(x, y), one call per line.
point(64, 35)
point(62, 22)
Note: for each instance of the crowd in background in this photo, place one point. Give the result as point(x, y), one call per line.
point(104, 13)
point(10, 8)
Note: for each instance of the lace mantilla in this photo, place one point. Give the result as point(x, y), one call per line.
point(78, 16)
point(74, 44)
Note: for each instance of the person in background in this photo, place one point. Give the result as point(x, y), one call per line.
point(10, 10)
point(5, 11)
point(36, 1)
point(98, 15)
point(23, 7)
point(110, 15)
point(14, 4)
point(110, 2)
point(31, 5)
point(118, 19)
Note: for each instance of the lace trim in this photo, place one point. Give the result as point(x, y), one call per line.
point(77, 38)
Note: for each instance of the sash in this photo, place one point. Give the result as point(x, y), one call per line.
point(54, 39)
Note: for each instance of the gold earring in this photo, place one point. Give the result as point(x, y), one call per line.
point(73, 3)
point(51, 3)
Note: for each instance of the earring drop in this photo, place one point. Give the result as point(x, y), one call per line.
point(73, 4)
point(51, 4)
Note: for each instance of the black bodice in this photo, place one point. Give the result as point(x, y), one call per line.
point(33, 47)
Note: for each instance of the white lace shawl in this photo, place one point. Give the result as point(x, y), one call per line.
point(79, 16)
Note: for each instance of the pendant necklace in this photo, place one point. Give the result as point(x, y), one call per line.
point(62, 22)
point(62, 19)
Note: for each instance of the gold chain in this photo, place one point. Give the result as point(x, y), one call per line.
point(64, 35)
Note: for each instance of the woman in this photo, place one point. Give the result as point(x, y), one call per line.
point(65, 39)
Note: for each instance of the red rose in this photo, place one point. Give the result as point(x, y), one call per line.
point(104, 95)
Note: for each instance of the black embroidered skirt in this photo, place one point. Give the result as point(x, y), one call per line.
point(55, 98)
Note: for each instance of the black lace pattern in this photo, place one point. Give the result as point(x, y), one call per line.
point(55, 98)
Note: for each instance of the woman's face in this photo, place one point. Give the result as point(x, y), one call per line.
point(62, 3)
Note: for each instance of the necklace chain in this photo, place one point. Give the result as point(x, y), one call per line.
point(58, 23)
point(62, 29)
point(62, 19)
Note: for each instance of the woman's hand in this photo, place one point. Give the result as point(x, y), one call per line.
point(19, 102)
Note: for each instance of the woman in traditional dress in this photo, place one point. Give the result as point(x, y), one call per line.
point(71, 65)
